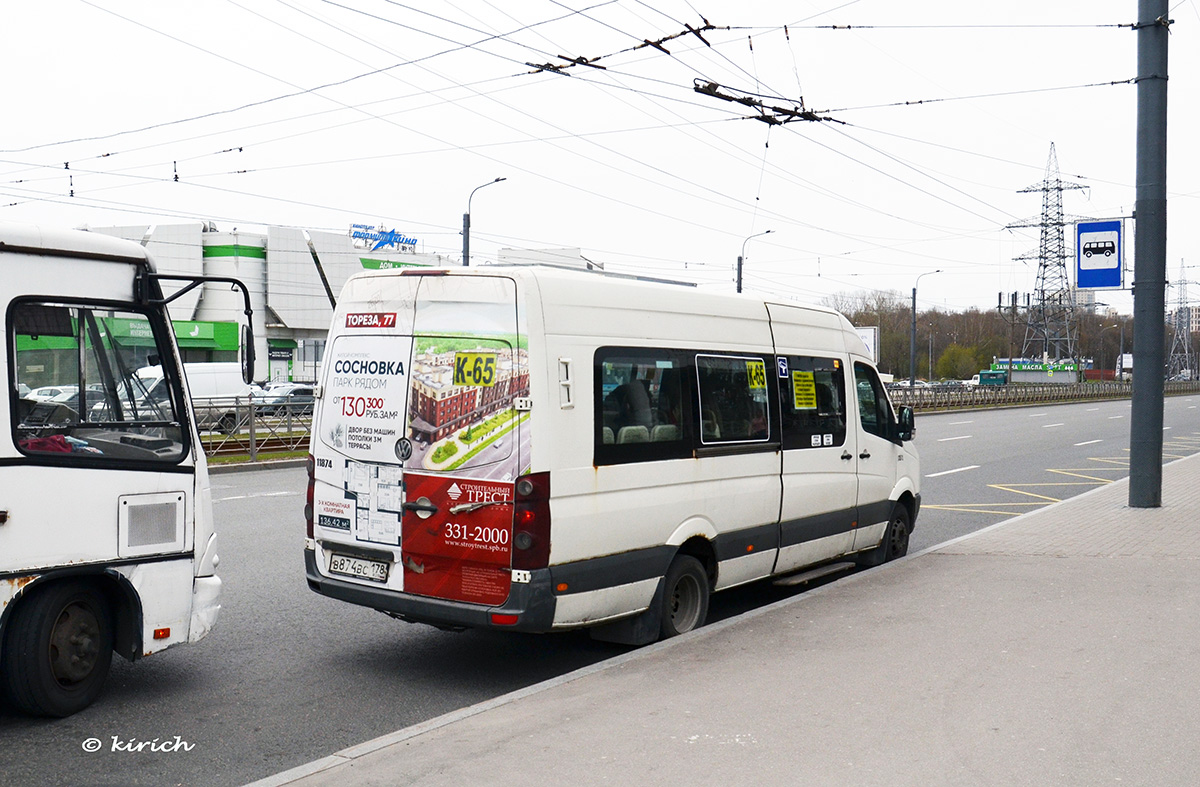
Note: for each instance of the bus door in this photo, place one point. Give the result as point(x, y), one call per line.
point(819, 482)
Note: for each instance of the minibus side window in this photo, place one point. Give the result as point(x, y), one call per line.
point(873, 406)
point(78, 391)
point(733, 399)
point(812, 394)
point(639, 401)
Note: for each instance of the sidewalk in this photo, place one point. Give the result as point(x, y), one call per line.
point(1061, 647)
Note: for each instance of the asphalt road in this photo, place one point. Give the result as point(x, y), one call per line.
point(981, 467)
point(288, 676)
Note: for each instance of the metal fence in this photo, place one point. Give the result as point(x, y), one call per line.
point(968, 396)
point(242, 425)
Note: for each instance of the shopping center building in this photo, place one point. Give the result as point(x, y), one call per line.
point(293, 276)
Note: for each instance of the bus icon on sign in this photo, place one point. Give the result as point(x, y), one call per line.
point(1105, 247)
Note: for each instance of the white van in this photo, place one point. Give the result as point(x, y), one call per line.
point(220, 397)
point(542, 449)
point(106, 528)
point(205, 380)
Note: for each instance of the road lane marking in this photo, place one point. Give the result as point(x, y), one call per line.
point(1089, 442)
point(1050, 426)
point(955, 470)
point(960, 423)
point(1038, 415)
point(960, 437)
point(1092, 409)
point(1114, 417)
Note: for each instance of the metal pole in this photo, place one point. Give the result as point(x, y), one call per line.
point(1150, 258)
point(467, 222)
point(467, 238)
point(931, 352)
point(1122, 350)
point(743, 254)
point(912, 342)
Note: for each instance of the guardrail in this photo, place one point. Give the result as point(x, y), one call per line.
point(936, 397)
point(242, 425)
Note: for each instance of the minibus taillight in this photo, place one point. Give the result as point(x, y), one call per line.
point(311, 464)
point(531, 522)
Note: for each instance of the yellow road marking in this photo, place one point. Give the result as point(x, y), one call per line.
point(973, 508)
point(1107, 464)
point(1077, 474)
point(1030, 494)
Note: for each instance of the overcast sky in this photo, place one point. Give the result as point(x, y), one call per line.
point(310, 114)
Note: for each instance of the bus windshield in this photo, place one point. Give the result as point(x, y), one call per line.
point(80, 393)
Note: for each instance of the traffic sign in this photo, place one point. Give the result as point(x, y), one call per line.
point(1099, 252)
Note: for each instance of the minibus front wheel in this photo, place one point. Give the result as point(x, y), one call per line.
point(685, 596)
point(895, 539)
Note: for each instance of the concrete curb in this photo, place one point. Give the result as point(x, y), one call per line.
point(244, 467)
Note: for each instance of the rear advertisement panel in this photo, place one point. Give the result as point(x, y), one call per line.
point(463, 550)
point(366, 395)
point(426, 418)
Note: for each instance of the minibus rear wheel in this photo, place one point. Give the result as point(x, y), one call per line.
point(58, 649)
point(685, 596)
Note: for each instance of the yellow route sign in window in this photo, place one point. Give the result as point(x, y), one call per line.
point(756, 374)
point(804, 391)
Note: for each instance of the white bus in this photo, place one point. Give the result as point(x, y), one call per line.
point(541, 449)
point(106, 529)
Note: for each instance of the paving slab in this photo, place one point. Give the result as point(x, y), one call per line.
point(1060, 647)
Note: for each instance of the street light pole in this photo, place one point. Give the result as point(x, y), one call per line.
point(1103, 368)
point(931, 351)
point(912, 344)
point(743, 254)
point(466, 232)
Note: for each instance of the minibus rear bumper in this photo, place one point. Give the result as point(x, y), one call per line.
point(530, 606)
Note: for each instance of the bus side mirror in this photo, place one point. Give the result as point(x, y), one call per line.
point(247, 350)
point(905, 428)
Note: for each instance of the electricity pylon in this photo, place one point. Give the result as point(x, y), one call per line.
point(1050, 332)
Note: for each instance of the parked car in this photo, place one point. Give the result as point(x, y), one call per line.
point(48, 392)
point(294, 398)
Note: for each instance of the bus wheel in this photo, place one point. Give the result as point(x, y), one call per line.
point(685, 597)
point(227, 424)
point(58, 650)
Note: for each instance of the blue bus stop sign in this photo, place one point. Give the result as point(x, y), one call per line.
point(1099, 252)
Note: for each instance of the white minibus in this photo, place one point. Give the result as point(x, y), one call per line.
point(106, 528)
point(539, 449)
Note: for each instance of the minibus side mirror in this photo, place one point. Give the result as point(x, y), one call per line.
point(905, 428)
point(247, 354)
